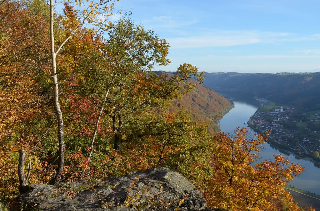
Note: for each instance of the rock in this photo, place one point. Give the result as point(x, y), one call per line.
point(153, 189)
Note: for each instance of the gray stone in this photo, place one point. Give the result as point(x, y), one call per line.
point(153, 189)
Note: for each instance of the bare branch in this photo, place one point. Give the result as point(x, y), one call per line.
point(64, 42)
point(76, 28)
point(96, 130)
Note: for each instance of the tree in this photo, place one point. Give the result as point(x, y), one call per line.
point(116, 75)
point(229, 176)
point(249, 185)
point(90, 17)
point(23, 63)
point(130, 53)
point(22, 53)
point(56, 98)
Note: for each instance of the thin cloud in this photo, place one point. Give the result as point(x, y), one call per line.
point(168, 22)
point(115, 17)
point(227, 39)
point(301, 38)
point(236, 38)
point(269, 57)
point(211, 41)
point(162, 18)
point(282, 7)
point(108, 17)
point(309, 52)
point(312, 37)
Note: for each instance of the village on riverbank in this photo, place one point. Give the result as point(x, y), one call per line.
point(291, 130)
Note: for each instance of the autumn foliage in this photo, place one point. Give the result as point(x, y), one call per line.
point(252, 185)
point(116, 113)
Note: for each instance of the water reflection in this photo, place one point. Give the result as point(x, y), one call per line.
point(309, 180)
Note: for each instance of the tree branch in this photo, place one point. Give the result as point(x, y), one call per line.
point(76, 28)
point(96, 130)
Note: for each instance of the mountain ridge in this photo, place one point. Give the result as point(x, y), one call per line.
point(300, 90)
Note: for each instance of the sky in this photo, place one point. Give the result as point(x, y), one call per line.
point(252, 36)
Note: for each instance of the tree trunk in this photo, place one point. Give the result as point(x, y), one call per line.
point(116, 141)
point(23, 182)
point(56, 101)
point(116, 137)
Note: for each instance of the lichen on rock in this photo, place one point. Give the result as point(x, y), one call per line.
point(153, 189)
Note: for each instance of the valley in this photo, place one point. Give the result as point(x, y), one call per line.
point(288, 107)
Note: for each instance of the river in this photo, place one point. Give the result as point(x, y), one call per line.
point(308, 180)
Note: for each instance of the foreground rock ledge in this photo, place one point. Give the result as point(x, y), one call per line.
point(153, 189)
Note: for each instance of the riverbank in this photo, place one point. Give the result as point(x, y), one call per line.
point(218, 117)
point(304, 199)
point(291, 131)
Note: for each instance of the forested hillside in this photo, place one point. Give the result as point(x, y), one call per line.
point(205, 106)
point(79, 101)
point(300, 90)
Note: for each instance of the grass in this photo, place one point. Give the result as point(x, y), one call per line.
point(271, 106)
point(301, 124)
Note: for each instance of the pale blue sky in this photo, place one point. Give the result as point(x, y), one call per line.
point(235, 35)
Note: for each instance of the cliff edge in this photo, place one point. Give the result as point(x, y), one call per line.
point(153, 189)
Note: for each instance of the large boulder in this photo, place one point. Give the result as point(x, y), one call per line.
point(153, 189)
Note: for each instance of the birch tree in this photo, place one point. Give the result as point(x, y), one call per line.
point(94, 15)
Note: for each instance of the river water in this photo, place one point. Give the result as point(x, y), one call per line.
point(308, 180)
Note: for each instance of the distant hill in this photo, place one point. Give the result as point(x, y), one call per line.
point(205, 105)
point(301, 90)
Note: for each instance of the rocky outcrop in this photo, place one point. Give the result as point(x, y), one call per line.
point(154, 189)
